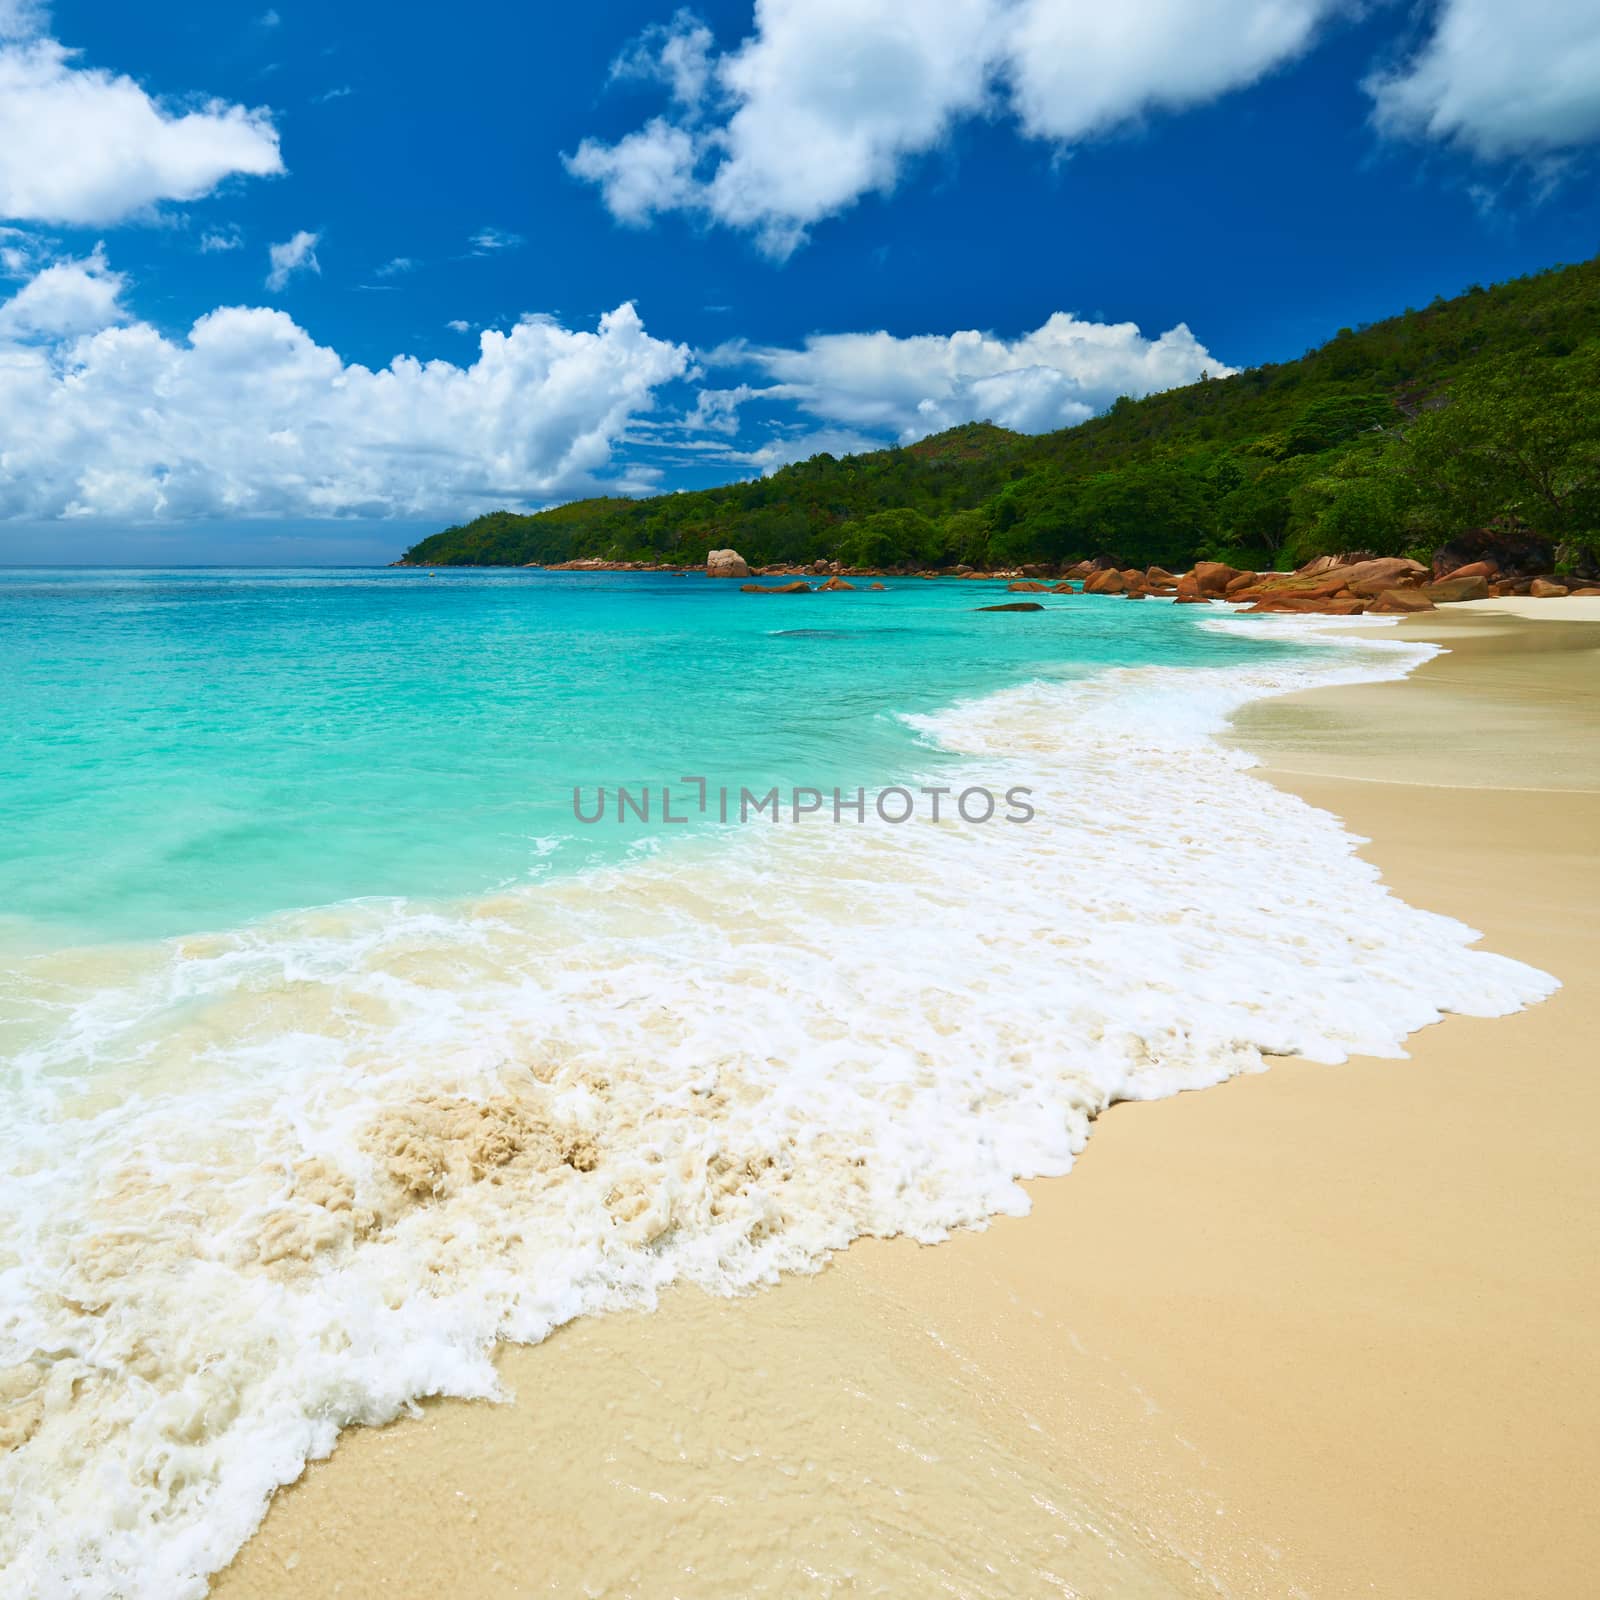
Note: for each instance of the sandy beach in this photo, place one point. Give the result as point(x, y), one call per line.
point(1324, 1331)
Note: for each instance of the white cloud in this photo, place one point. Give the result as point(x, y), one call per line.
point(79, 145)
point(643, 173)
point(249, 416)
point(397, 267)
point(215, 240)
point(298, 254)
point(1500, 80)
point(488, 240)
point(328, 95)
point(904, 389)
point(677, 54)
point(827, 100)
point(1077, 69)
point(66, 299)
point(456, 325)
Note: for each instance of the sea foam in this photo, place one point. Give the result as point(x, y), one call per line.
point(263, 1185)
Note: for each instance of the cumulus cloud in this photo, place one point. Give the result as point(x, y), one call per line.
point(827, 100)
point(67, 298)
point(79, 145)
point(906, 388)
point(298, 254)
point(216, 240)
point(1498, 80)
point(102, 415)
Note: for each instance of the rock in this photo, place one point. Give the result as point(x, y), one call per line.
point(1034, 569)
point(835, 584)
point(1063, 588)
point(1188, 589)
point(1159, 576)
point(819, 565)
point(877, 586)
point(1511, 553)
point(1079, 569)
point(1452, 590)
point(1108, 581)
point(1320, 564)
point(962, 569)
point(1544, 589)
point(1213, 577)
point(1581, 594)
point(1394, 601)
point(1027, 586)
point(1138, 594)
point(726, 564)
point(1474, 569)
point(1015, 605)
point(782, 588)
point(1383, 573)
point(1245, 580)
point(1301, 605)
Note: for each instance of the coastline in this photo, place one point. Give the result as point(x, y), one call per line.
point(1257, 1320)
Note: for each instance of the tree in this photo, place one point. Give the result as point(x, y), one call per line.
point(1518, 440)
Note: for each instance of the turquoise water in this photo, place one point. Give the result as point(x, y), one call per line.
point(191, 749)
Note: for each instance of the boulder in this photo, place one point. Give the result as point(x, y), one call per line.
point(1108, 581)
point(1245, 580)
point(1188, 588)
point(1511, 553)
point(1475, 569)
point(1063, 588)
point(819, 565)
point(1378, 576)
point(1027, 586)
point(1544, 589)
point(834, 584)
point(878, 586)
point(1034, 569)
point(1015, 605)
point(726, 564)
point(1580, 594)
point(1452, 590)
point(1300, 605)
point(1395, 601)
point(1159, 576)
point(782, 588)
point(1213, 577)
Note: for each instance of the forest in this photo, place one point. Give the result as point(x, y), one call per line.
point(1473, 417)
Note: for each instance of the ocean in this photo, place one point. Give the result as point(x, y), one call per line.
point(352, 1020)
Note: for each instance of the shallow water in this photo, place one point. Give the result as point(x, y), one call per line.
point(340, 1049)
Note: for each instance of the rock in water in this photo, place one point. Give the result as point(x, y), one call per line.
point(726, 564)
point(1015, 605)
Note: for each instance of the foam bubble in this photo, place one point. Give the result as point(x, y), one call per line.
point(270, 1183)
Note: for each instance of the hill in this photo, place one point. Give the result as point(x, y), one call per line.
point(1477, 413)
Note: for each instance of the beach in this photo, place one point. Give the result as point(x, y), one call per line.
point(1315, 1331)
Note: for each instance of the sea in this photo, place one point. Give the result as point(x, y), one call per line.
point(395, 962)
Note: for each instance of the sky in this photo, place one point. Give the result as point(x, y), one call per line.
point(299, 284)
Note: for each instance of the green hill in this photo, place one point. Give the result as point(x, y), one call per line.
point(1481, 412)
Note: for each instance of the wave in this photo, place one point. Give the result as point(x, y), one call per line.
point(271, 1183)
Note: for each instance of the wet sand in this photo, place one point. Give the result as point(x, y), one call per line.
point(1324, 1331)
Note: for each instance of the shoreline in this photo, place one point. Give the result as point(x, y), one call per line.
point(1122, 1323)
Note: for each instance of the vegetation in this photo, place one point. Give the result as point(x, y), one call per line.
point(1481, 412)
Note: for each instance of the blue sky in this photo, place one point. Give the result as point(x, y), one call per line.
point(836, 223)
